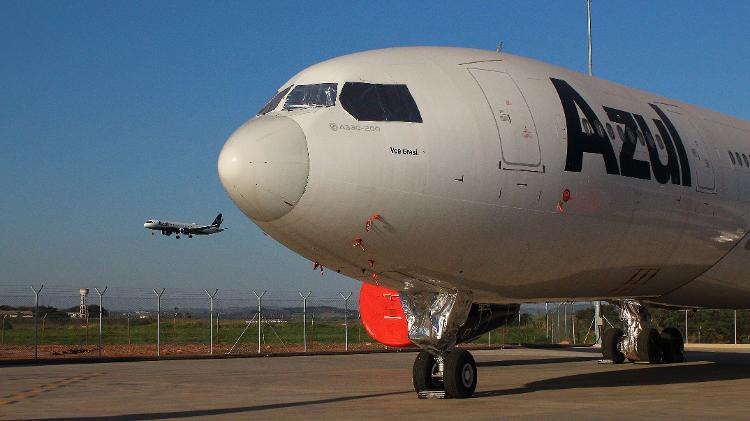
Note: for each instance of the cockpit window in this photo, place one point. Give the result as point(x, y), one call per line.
point(318, 95)
point(274, 101)
point(378, 102)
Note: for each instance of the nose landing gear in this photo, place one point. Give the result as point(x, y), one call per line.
point(437, 321)
point(450, 375)
point(435, 318)
point(459, 374)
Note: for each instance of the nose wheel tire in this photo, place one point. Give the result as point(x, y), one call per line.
point(672, 346)
point(425, 373)
point(459, 374)
point(611, 345)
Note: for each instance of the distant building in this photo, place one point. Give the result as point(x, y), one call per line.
point(16, 313)
point(274, 321)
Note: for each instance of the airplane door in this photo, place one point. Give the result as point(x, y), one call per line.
point(519, 143)
point(695, 148)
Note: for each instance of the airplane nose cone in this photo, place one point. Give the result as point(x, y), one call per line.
point(264, 167)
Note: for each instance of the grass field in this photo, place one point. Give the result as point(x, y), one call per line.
point(120, 331)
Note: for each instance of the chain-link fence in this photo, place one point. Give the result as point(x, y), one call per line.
point(48, 322)
point(58, 322)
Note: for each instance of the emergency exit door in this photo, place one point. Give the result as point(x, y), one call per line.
point(696, 149)
point(519, 143)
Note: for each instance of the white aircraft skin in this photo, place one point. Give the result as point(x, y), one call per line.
point(471, 200)
point(177, 228)
point(515, 181)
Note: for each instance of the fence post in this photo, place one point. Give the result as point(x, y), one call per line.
point(101, 294)
point(565, 321)
point(686, 328)
point(260, 301)
point(158, 321)
point(36, 321)
point(304, 317)
point(346, 318)
point(211, 319)
point(573, 323)
point(44, 318)
point(735, 327)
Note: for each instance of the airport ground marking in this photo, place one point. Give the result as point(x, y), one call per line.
point(48, 387)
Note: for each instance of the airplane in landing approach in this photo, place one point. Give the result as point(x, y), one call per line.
point(177, 228)
point(457, 183)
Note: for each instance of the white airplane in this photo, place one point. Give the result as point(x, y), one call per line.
point(177, 228)
point(457, 183)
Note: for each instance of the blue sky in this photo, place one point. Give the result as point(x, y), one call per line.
point(114, 112)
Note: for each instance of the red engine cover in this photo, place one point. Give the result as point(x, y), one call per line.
point(382, 315)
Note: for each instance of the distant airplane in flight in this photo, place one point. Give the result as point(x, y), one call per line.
point(177, 228)
point(458, 183)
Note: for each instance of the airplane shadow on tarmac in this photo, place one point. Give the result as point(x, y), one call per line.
point(711, 367)
point(223, 411)
point(535, 361)
point(704, 367)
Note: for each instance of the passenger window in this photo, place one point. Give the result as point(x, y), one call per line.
point(274, 101)
point(600, 129)
point(650, 140)
point(661, 142)
point(306, 96)
point(737, 154)
point(610, 131)
point(631, 135)
point(377, 102)
point(731, 158)
point(587, 126)
point(621, 133)
point(744, 158)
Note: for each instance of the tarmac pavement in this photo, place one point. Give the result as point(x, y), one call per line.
point(513, 383)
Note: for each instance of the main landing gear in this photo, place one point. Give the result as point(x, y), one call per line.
point(641, 341)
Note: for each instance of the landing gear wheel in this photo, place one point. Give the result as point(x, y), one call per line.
point(611, 345)
point(177, 237)
point(190, 236)
point(459, 374)
point(649, 346)
point(424, 373)
point(672, 346)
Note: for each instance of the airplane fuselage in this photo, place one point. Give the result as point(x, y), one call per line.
point(169, 227)
point(520, 181)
